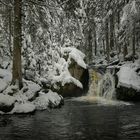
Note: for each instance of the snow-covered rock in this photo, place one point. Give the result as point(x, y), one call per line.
point(13, 100)
point(32, 90)
point(6, 103)
point(60, 71)
point(51, 99)
point(76, 55)
point(128, 77)
point(129, 82)
point(68, 73)
point(23, 108)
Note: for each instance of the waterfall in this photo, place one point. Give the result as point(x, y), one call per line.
point(103, 87)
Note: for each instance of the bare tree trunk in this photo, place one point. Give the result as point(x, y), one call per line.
point(118, 18)
point(134, 43)
point(17, 69)
point(111, 32)
point(89, 49)
point(10, 30)
point(95, 42)
point(104, 46)
point(125, 51)
point(107, 41)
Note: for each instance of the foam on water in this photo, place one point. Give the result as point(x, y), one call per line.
point(100, 101)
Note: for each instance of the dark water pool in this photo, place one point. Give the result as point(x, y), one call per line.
point(75, 121)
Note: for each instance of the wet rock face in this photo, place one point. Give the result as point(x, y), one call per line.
point(127, 94)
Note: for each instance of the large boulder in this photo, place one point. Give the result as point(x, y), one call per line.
point(23, 108)
point(128, 87)
point(6, 103)
point(48, 100)
point(70, 89)
point(127, 94)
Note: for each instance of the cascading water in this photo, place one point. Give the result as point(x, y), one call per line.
point(104, 87)
point(101, 90)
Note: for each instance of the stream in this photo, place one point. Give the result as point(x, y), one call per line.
point(78, 119)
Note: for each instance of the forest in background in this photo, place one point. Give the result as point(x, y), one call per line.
point(105, 30)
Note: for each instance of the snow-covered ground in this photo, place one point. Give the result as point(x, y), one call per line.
point(25, 100)
point(129, 75)
point(5, 78)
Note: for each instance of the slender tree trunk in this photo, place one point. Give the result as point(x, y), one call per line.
point(89, 49)
point(118, 18)
point(125, 51)
point(111, 32)
point(104, 46)
point(10, 30)
point(107, 41)
point(17, 69)
point(95, 42)
point(134, 43)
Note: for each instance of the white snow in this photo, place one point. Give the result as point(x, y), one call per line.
point(5, 78)
point(6, 100)
point(64, 77)
point(3, 85)
point(133, 7)
point(42, 102)
point(32, 87)
point(40, 31)
point(76, 55)
point(10, 89)
point(128, 77)
point(23, 108)
point(125, 14)
point(129, 12)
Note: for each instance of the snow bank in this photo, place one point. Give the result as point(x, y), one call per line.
point(21, 101)
point(6, 100)
point(28, 91)
point(6, 103)
point(76, 55)
point(23, 108)
point(22, 105)
point(5, 78)
point(5, 75)
point(3, 85)
point(51, 99)
point(32, 89)
point(128, 77)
